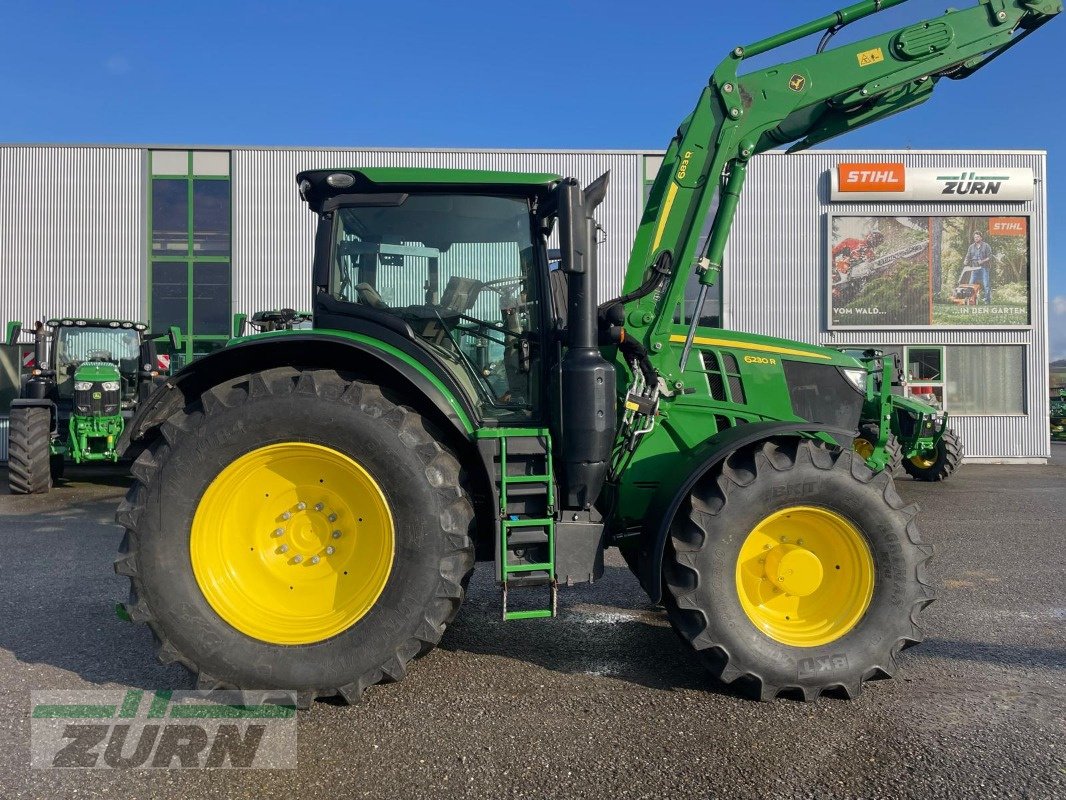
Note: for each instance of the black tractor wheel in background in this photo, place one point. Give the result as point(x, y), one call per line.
point(56, 466)
point(939, 463)
point(28, 436)
point(796, 570)
point(276, 506)
point(867, 440)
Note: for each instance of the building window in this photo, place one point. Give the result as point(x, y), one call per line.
point(924, 371)
point(190, 225)
point(986, 379)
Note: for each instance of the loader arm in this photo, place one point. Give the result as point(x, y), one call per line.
point(802, 102)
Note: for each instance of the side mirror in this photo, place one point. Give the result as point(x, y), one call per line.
point(175, 338)
point(14, 329)
point(240, 322)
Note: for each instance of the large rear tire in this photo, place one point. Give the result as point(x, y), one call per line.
point(796, 569)
point(939, 463)
point(296, 530)
point(29, 433)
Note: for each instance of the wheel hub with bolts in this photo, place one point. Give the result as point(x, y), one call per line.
point(307, 531)
point(804, 576)
point(292, 543)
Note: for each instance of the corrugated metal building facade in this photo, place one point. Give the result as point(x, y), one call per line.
point(76, 237)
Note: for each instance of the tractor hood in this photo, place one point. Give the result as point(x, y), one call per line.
point(768, 346)
point(97, 371)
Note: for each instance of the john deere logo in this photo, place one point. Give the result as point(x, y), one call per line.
point(797, 82)
point(97, 395)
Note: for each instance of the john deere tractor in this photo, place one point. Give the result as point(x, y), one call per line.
point(309, 504)
point(900, 433)
point(86, 378)
point(1058, 413)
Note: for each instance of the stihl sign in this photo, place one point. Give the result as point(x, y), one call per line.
point(898, 182)
point(871, 177)
point(1007, 226)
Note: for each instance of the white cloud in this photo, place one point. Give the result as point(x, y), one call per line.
point(1057, 327)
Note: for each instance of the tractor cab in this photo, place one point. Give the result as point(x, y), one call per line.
point(457, 267)
point(97, 357)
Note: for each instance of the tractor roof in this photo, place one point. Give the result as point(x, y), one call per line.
point(95, 322)
point(317, 185)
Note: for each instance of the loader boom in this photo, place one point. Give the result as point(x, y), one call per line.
point(803, 102)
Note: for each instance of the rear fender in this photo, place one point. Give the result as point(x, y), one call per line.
point(408, 370)
point(698, 463)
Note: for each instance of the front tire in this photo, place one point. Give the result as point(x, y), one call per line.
point(296, 530)
point(866, 441)
point(796, 569)
point(939, 463)
point(29, 434)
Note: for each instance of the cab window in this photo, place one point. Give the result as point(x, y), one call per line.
point(461, 271)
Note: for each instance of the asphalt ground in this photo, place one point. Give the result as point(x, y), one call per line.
point(603, 701)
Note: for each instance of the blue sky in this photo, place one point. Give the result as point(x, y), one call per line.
point(554, 74)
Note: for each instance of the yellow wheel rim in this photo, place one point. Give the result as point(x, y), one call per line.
point(805, 576)
point(924, 461)
point(864, 448)
point(292, 543)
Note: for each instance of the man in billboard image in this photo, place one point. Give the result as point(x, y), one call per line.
point(979, 259)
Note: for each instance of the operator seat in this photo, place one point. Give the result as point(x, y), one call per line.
point(368, 295)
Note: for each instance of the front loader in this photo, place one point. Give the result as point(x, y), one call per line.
point(309, 504)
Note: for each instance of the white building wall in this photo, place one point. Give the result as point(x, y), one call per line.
point(73, 241)
point(72, 235)
point(774, 281)
point(273, 229)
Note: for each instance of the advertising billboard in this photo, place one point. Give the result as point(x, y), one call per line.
point(942, 271)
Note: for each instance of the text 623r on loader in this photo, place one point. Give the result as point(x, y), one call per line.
point(309, 504)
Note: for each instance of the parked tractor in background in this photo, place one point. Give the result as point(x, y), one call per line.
point(85, 380)
point(309, 504)
point(1058, 413)
point(900, 433)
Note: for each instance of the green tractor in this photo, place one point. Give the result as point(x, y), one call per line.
point(85, 380)
point(1058, 413)
point(900, 433)
point(309, 504)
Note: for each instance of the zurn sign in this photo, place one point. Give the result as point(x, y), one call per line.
point(895, 182)
point(135, 729)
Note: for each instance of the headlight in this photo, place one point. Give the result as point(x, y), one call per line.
point(111, 386)
point(857, 378)
point(82, 386)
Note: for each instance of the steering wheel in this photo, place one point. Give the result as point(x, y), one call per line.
point(99, 355)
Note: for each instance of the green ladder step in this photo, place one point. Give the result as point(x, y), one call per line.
point(539, 613)
point(529, 522)
point(507, 525)
point(541, 567)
